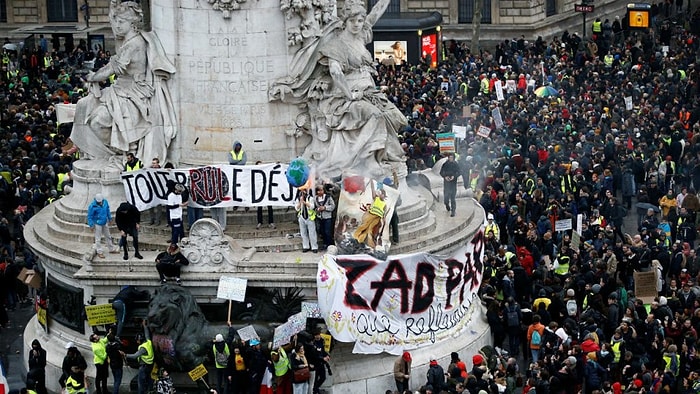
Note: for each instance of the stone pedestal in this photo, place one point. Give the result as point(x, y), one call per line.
point(225, 68)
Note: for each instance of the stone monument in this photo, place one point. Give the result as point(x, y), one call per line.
point(202, 77)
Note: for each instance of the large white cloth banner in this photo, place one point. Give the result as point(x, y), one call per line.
point(405, 302)
point(214, 186)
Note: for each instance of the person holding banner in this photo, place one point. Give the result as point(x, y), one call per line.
point(174, 206)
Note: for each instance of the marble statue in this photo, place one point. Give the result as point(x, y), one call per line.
point(352, 124)
point(135, 113)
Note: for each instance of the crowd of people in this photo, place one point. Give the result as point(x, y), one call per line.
point(615, 135)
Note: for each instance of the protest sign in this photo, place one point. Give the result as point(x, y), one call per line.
point(459, 131)
point(484, 131)
point(231, 288)
point(575, 241)
point(98, 315)
point(498, 87)
point(247, 333)
point(406, 301)
point(446, 142)
point(282, 335)
point(65, 112)
point(645, 286)
point(212, 186)
point(497, 119)
point(198, 372)
point(311, 309)
point(628, 103)
point(563, 225)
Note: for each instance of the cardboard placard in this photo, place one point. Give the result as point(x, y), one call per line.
point(575, 241)
point(33, 280)
point(645, 286)
point(563, 225)
point(247, 333)
point(459, 131)
point(231, 288)
point(102, 314)
point(483, 131)
point(198, 372)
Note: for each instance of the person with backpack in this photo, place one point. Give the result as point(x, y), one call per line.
point(221, 355)
point(513, 318)
point(436, 375)
point(535, 334)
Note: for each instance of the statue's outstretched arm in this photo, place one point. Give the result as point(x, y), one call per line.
point(102, 74)
point(377, 11)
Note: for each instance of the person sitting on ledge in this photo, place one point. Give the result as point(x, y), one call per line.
point(169, 264)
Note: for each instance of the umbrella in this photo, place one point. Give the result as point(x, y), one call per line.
point(546, 91)
point(646, 205)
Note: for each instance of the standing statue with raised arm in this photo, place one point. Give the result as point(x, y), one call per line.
point(135, 113)
point(353, 125)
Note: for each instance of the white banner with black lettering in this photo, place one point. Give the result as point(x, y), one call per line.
point(213, 186)
point(405, 302)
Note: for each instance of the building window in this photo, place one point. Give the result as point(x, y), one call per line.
point(62, 10)
point(393, 8)
point(551, 7)
point(466, 11)
point(3, 11)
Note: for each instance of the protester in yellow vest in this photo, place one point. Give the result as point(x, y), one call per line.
point(237, 156)
point(132, 163)
point(144, 355)
point(76, 382)
point(282, 370)
point(369, 229)
point(221, 356)
point(99, 351)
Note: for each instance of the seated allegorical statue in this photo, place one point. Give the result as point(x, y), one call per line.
point(135, 113)
point(353, 125)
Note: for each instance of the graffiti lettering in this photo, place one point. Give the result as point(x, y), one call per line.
point(372, 325)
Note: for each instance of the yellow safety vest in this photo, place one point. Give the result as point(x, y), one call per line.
point(99, 348)
point(667, 363)
point(238, 156)
point(226, 352)
point(282, 365)
point(485, 86)
point(73, 386)
point(608, 59)
point(61, 179)
point(310, 211)
point(377, 207)
point(615, 346)
point(597, 27)
point(135, 167)
point(148, 357)
point(47, 61)
point(563, 267)
point(493, 227)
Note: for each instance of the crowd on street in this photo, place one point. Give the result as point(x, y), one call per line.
point(588, 129)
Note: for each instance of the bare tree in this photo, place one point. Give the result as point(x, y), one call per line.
point(476, 27)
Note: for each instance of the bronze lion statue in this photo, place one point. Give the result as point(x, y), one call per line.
point(180, 332)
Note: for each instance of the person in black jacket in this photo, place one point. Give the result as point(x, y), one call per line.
point(116, 361)
point(169, 264)
point(123, 301)
point(436, 375)
point(36, 376)
point(449, 173)
point(128, 220)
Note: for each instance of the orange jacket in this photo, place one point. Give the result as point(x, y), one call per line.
point(540, 328)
